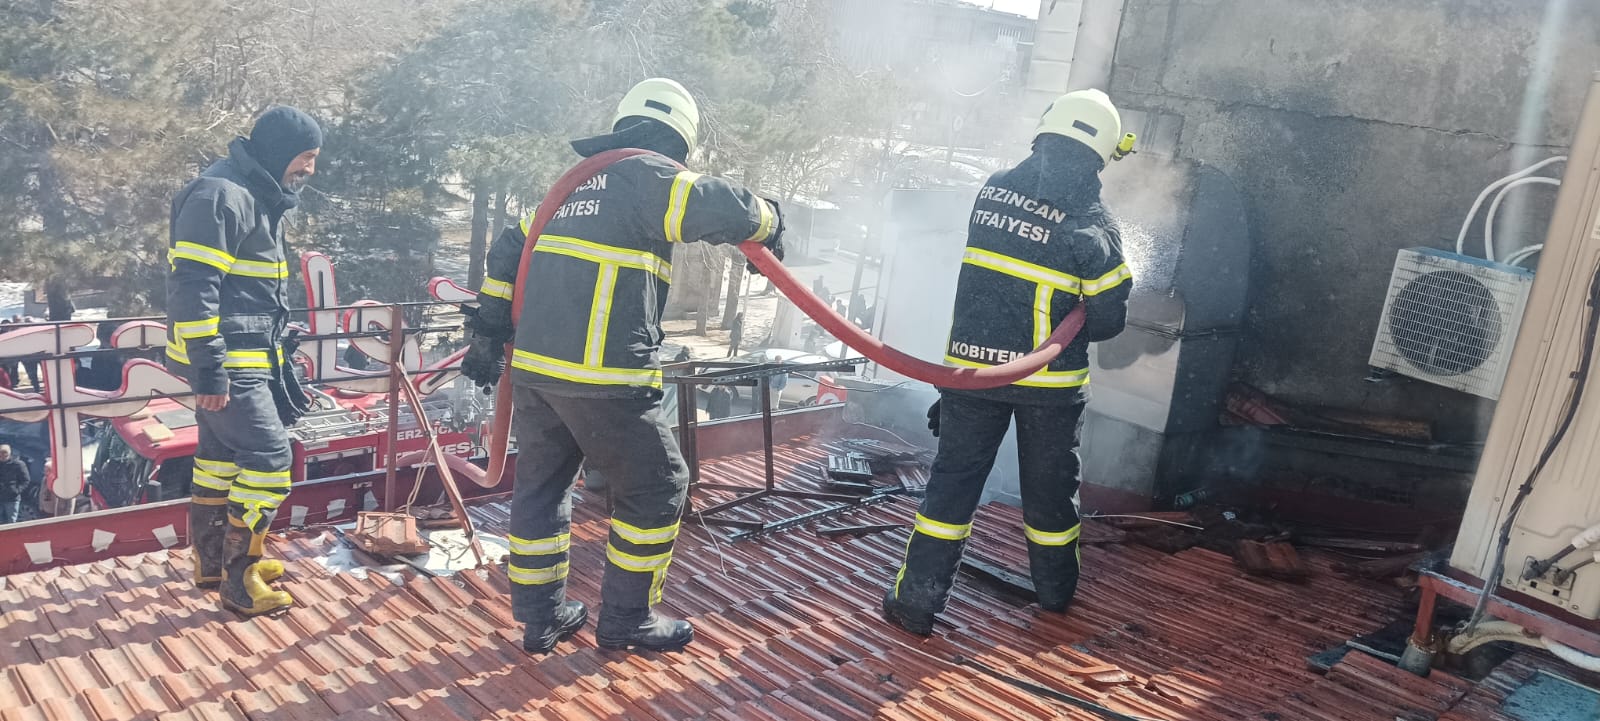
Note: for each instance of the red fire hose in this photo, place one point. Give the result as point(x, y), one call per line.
point(769, 265)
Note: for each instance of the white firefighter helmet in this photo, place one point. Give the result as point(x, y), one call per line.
point(1086, 116)
point(664, 100)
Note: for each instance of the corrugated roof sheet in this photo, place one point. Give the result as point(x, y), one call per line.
point(787, 628)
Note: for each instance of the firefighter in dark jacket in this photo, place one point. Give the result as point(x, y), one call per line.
point(14, 483)
point(588, 386)
point(227, 307)
point(1039, 243)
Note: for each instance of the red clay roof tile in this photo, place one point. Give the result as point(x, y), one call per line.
point(225, 710)
point(507, 691)
point(132, 699)
point(52, 709)
point(201, 683)
point(283, 702)
point(787, 629)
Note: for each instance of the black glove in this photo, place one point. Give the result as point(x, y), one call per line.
point(774, 241)
point(933, 418)
point(470, 322)
point(484, 362)
point(291, 344)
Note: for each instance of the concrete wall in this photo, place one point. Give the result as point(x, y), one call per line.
point(1354, 128)
point(1055, 44)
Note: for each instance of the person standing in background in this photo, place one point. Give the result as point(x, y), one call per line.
point(14, 481)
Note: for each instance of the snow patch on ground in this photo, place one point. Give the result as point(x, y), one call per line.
point(11, 298)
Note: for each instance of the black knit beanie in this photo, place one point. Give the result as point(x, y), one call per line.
point(280, 135)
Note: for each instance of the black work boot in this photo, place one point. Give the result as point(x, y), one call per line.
point(916, 620)
point(1055, 603)
point(245, 575)
point(208, 523)
point(621, 629)
point(1054, 571)
point(542, 637)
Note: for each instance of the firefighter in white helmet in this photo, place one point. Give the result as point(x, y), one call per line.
point(588, 386)
point(1039, 244)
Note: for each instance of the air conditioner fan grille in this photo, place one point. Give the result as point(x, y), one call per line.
point(1446, 322)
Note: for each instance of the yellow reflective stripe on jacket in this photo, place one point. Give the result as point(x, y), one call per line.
point(1042, 379)
point(644, 536)
point(191, 329)
point(1050, 538)
point(941, 530)
point(597, 253)
point(579, 373)
point(260, 269)
point(541, 546)
point(677, 204)
point(536, 576)
point(214, 257)
point(527, 223)
point(605, 286)
point(1043, 295)
point(1108, 281)
point(496, 289)
point(1007, 265)
point(764, 229)
point(247, 359)
point(178, 350)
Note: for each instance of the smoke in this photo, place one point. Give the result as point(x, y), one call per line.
point(1530, 120)
point(1149, 196)
point(925, 237)
point(1237, 455)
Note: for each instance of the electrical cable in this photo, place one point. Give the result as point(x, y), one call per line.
point(1461, 238)
point(1097, 516)
point(722, 559)
point(885, 430)
point(1580, 381)
point(1494, 207)
point(1517, 257)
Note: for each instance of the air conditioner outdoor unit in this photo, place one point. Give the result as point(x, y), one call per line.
point(1451, 320)
point(1564, 499)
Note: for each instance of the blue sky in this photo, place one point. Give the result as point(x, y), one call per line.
point(1020, 7)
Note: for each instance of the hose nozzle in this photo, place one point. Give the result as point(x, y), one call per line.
point(1125, 147)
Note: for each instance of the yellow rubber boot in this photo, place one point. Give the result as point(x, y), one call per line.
point(245, 588)
point(262, 598)
point(269, 570)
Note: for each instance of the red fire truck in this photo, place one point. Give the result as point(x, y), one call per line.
point(148, 457)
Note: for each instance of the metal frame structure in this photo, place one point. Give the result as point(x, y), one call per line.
point(395, 337)
point(1435, 585)
point(759, 376)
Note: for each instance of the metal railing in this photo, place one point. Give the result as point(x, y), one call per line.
point(60, 397)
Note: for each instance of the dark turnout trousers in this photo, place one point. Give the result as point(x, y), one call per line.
point(626, 441)
point(970, 432)
point(241, 469)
